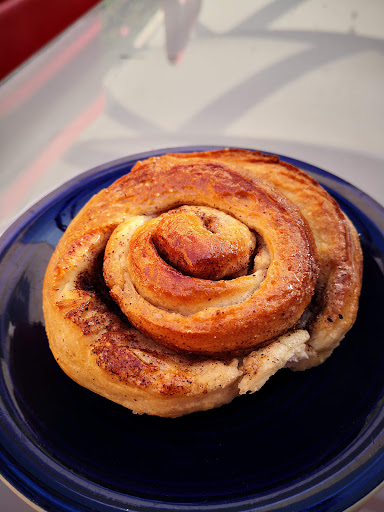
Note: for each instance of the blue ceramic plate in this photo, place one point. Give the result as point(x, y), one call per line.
point(309, 441)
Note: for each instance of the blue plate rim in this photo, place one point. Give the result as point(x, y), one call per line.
point(98, 172)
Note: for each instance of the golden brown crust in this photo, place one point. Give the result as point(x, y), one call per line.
point(290, 226)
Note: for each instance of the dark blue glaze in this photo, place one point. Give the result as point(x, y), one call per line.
point(306, 441)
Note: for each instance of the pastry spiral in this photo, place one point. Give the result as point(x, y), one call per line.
point(197, 276)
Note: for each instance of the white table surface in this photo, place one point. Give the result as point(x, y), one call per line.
point(303, 79)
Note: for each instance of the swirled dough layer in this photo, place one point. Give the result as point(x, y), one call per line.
point(194, 278)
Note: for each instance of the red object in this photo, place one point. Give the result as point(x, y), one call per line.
point(28, 25)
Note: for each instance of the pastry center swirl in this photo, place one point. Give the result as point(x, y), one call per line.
point(205, 243)
point(185, 260)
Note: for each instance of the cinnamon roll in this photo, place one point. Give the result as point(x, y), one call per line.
point(197, 276)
